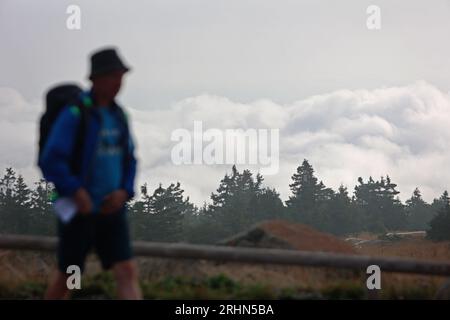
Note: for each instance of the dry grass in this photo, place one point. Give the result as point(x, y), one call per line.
point(412, 248)
point(421, 249)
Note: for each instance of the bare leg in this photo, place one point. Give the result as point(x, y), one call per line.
point(57, 288)
point(126, 275)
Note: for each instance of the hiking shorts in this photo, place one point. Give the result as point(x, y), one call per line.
point(108, 235)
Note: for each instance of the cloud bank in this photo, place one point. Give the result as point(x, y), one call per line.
point(400, 131)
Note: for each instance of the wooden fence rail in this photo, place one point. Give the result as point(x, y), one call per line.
point(248, 255)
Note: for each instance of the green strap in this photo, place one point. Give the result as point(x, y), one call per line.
point(87, 101)
point(53, 196)
point(75, 110)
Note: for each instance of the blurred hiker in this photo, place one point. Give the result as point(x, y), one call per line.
point(87, 151)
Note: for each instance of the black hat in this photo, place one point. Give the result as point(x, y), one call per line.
point(104, 61)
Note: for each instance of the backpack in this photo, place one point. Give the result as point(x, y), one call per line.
point(56, 99)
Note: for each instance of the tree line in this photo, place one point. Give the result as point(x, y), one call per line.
point(240, 201)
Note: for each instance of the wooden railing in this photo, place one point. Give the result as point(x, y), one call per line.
point(249, 255)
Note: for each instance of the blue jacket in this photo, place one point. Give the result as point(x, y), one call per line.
point(56, 155)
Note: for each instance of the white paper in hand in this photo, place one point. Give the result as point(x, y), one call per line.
point(65, 209)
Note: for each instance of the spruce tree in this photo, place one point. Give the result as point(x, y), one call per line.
point(440, 224)
point(418, 212)
point(308, 200)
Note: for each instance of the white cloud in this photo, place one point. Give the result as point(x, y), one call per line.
point(400, 131)
point(18, 127)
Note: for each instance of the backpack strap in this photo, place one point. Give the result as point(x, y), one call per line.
point(81, 106)
point(125, 137)
point(123, 117)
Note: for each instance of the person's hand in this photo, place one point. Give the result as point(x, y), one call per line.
point(83, 201)
point(114, 201)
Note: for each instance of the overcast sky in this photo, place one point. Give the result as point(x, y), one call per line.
point(355, 102)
